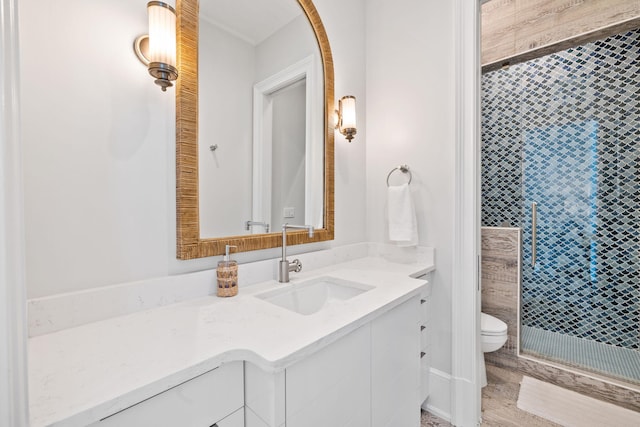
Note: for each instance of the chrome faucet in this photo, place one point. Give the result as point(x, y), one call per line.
point(249, 224)
point(285, 265)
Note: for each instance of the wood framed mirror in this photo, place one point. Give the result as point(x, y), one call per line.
point(190, 243)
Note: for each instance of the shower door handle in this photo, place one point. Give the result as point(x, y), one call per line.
point(534, 232)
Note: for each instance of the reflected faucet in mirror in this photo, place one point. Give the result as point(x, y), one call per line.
point(285, 265)
point(249, 224)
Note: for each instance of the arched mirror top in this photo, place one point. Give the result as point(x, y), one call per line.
point(189, 199)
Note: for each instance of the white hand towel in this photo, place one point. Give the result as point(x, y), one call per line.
point(401, 216)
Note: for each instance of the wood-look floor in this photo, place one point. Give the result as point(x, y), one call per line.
point(499, 400)
point(430, 420)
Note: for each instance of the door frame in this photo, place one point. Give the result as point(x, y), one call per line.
point(14, 406)
point(466, 352)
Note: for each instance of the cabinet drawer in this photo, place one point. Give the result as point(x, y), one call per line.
point(425, 309)
point(202, 401)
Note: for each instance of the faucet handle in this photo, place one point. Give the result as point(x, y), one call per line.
point(298, 265)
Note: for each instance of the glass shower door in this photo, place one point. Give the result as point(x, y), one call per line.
point(578, 287)
point(559, 264)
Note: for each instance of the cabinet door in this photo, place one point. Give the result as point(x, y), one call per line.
point(234, 420)
point(199, 402)
point(395, 367)
point(425, 375)
point(332, 386)
point(264, 397)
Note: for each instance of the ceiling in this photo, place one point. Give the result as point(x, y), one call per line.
point(250, 20)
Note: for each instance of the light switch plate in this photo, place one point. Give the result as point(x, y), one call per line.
point(289, 212)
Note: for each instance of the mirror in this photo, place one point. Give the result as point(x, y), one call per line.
point(259, 146)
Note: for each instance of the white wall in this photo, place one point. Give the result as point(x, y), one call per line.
point(344, 22)
point(98, 144)
point(410, 115)
point(99, 150)
point(300, 42)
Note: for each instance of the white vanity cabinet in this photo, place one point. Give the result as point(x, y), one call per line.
point(370, 377)
point(359, 361)
point(332, 386)
point(213, 398)
point(395, 367)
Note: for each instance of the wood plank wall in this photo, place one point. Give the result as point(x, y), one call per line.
point(519, 30)
point(500, 272)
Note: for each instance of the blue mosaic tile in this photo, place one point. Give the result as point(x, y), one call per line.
point(564, 131)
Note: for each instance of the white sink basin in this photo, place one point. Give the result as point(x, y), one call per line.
point(311, 296)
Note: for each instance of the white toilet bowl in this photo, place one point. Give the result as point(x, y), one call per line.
point(494, 335)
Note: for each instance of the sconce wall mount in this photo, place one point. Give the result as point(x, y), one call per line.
point(163, 74)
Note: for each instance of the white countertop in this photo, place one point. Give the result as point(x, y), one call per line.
point(82, 374)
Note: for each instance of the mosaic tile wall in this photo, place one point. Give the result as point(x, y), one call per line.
point(564, 131)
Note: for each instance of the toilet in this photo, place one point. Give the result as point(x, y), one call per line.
point(494, 335)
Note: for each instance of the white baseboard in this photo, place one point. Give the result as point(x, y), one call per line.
point(439, 401)
point(463, 405)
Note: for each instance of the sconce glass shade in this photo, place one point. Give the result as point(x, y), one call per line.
point(162, 43)
point(347, 116)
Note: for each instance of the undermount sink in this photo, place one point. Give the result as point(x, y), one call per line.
point(311, 296)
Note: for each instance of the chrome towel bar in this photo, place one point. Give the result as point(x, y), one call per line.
point(403, 169)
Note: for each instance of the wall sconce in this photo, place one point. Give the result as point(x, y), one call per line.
point(346, 116)
point(158, 49)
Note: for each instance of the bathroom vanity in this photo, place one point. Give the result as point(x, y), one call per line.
point(270, 356)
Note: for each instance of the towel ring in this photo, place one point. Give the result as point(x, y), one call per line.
point(403, 169)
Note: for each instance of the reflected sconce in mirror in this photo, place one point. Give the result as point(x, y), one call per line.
point(346, 116)
point(158, 49)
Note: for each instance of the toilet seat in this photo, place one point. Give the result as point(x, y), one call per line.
point(490, 326)
point(502, 334)
point(493, 334)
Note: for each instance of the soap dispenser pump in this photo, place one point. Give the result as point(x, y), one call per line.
point(227, 275)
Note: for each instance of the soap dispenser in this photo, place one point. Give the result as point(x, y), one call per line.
point(227, 275)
